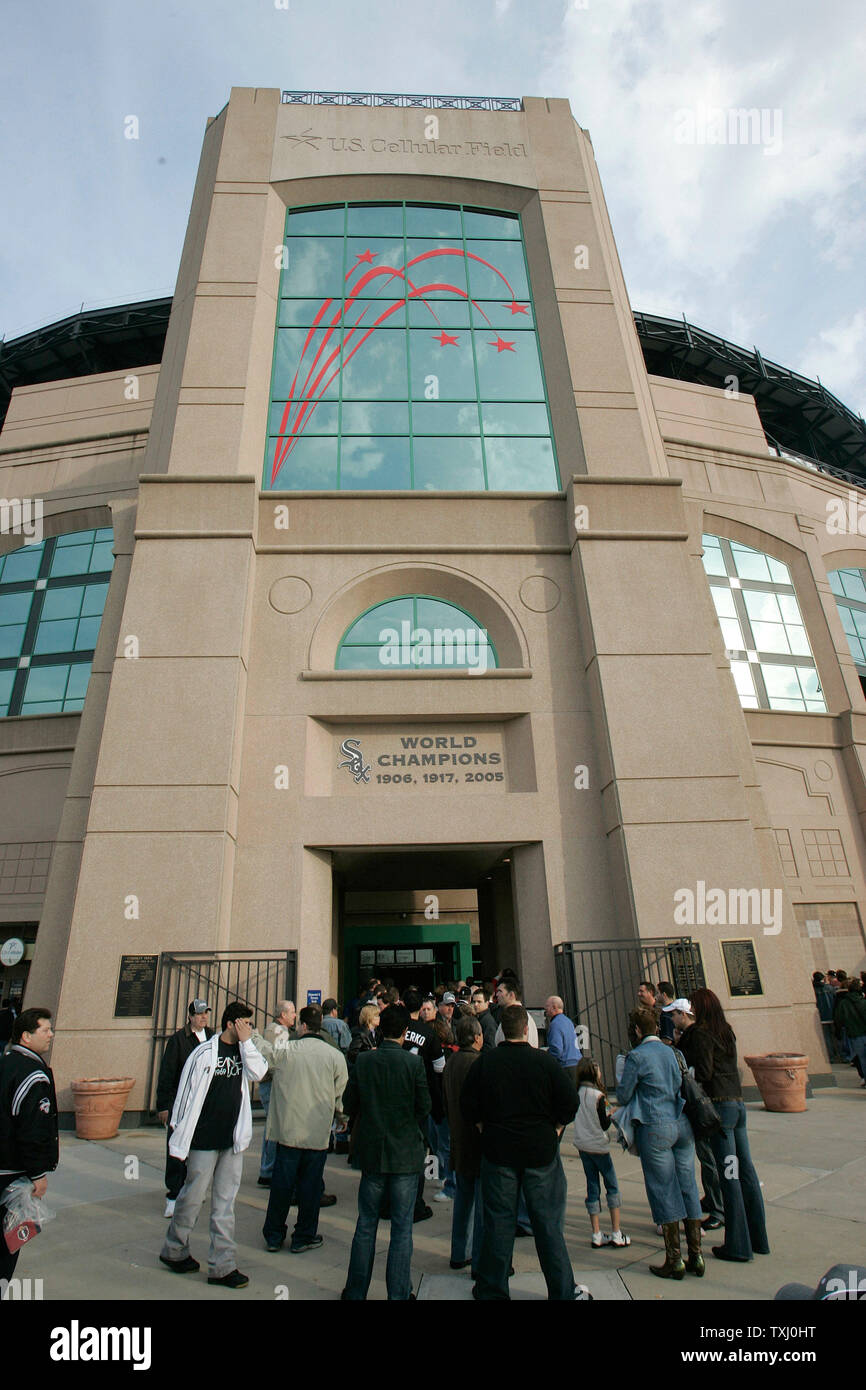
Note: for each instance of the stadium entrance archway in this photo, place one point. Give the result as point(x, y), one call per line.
point(423, 915)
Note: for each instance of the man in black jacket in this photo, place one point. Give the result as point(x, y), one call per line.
point(522, 1100)
point(174, 1059)
point(387, 1091)
point(28, 1114)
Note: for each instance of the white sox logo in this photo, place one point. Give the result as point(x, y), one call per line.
point(354, 759)
point(22, 1235)
point(45, 1106)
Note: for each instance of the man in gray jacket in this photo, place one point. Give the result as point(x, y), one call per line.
point(308, 1077)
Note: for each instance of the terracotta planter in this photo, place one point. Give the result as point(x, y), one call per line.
point(99, 1104)
point(781, 1079)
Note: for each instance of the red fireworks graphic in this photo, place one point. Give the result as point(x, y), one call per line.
point(321, 368)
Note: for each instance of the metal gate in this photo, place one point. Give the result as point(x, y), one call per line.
point(257, 978)
point(598, 982)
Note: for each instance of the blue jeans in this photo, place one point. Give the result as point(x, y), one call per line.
point(468, 1207)
point(596, 1167)
point(544, 1190)
point(439, 1136)
point(667, 1156)
point(269, 1148)
point(745, 1219)
point(295, 1170)
point(401, 1189)
point(710, 1179)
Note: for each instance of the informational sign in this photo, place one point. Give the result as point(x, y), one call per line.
point(424, 955)
point(741, 968)
point(314, 996)
point(368, 957)
point(136, 986)
point(384, 957)
point(425, 758)
point(406, 957)
point(813, 927)
point(12, 951)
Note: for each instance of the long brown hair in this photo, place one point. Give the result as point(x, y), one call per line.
point(710, 1015)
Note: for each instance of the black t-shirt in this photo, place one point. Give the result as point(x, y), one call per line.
point(421, 1039)
point(222, 1104)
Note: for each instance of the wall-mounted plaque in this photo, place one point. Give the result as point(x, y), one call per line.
point(741, 968)
point(384, 957)
point(406, 957)
point(136, 985)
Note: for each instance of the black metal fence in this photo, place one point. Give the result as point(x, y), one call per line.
point(598, 982)
point(257, 978)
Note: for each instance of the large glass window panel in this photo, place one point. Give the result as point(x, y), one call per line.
point(750, 564)
point(433, 614)
point(439, 417)
point(21, 564)
point(319, 417)
point(733, 635)
point(500, 417)
point(15, 608)
point(375, 463)
point(7, 679)
point(11, 638)
point(369, 627)
point(63, 603)
point(745, 684)
point(437, 314)
point(790, 608)
point(724, 601)
point(85, 637)
point(433, 222)
point(79, 675)
point(315, 268)
point(102, 557)
point(859, 621)
point(295, 313)
point(367, 257)
point(714, 562)
point(781, 682)
point(77, 538)
point(42, 707)
point(377, 370)
point(377, 219)
point(762, 606)
point(798, 640)
point(75, 559)
point(324, 221)
point(363, 314)
point(508, 367)
point(853, 585)
point(317, 373)
point(490, 224)
point(771, 637)
point(443, 369)
point(492, 313)
point(520, 465)
point(46, 683)
point(372, 417)
point(847, 616)
point(359, 658)
point(310, 466)
point(439, 269)
point(448, 465)
point(56, 636)
point(493, 262)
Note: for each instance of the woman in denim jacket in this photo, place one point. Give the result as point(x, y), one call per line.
point(665, 1144)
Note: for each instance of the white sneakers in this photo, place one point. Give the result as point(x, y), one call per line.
point(600, 1238)
point(169, 1208)
point(582, 1294)
point(443, 1196)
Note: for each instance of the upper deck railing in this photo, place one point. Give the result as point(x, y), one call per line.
point(402, 99)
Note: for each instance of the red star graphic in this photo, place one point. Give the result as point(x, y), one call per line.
point(501, 345)
point(366, 256)
point(518, 308)
point(446, 339)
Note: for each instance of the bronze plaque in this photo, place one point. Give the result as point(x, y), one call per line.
point(136, 985)
point(741, 968)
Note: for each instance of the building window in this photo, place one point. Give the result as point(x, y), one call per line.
point(765, 636)
point(849, 587)
point(826, 854)
point(405, 354)
point(786, 853)
point(415, 632)
point(51, 601)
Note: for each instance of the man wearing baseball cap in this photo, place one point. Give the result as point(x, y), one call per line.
point(178, 1048)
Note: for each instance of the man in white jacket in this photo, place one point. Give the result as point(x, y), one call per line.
point(212, 1124)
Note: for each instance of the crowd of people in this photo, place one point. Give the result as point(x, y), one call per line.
point(840, 999)
point(450, 1089)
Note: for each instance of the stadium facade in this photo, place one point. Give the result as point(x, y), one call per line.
point(391, 618)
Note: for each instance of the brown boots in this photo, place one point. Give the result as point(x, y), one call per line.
point(695, 1262)
point(673, 1267)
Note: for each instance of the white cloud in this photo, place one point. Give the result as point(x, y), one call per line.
point(836, 355)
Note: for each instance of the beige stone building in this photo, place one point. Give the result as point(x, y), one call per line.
point(393, 619)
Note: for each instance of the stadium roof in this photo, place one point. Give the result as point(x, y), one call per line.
point(800, 417)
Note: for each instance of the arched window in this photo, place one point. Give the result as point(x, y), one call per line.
point(415, 632)
point(849, 586)
point(51, 601)
point(405, 354)
point(763, 628)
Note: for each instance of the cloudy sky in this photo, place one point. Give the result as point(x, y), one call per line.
point(762, 242)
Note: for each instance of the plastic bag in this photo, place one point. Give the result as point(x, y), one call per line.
point(24, 1214)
